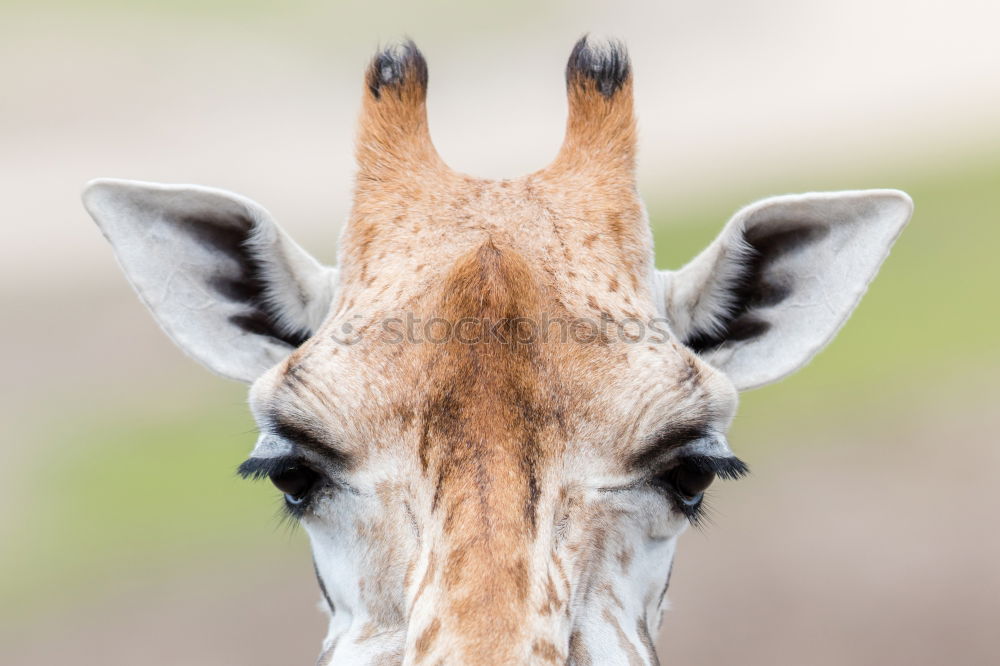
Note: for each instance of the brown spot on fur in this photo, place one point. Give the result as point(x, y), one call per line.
point(578, 654)
point(609, 592)
point(625, 558)
point(546, 651)
point(692, 370)
point(627, 646)
point(647, 642)
point(367, 631)
point(552, 603)
point(425, 581)
point(616, 228)
point(426, 640)
point(405, 414)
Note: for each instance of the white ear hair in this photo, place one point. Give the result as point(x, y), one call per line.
point(781, 279)
point(220, 277)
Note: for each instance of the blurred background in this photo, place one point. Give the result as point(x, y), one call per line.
point(868, 532)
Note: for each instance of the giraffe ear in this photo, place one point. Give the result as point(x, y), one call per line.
point(781, 279)
point(220, 277)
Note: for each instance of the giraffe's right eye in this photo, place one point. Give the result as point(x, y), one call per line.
point(295, 482)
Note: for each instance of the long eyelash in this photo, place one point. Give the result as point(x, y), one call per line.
point(700, 516)
point(288, 517)
point(729, 468)
point(255, 469)
point(261, 468)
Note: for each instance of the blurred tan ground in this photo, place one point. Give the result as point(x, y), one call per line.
point(870, 541)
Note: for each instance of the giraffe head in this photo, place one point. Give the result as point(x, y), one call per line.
point(494, 417)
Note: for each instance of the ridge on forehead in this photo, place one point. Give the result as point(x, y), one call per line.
point(490, 282)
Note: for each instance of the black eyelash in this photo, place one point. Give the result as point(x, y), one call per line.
point(293, 512)
point(256, 469)
point(729, 468)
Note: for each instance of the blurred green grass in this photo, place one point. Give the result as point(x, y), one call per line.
point(147, 491)
point(130, 491)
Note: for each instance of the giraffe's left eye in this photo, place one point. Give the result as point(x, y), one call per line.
point(690, 481)
point(686, 482)
point(295, 482)
point(294, 477)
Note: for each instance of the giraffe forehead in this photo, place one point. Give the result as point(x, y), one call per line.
point(592, 245)
point(494, 349)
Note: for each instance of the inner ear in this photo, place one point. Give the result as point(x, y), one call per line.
point(221, 278)
point(248, 284)
point(758, 283)
point(244, 281)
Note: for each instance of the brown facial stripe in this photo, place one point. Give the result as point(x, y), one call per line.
point(483, 420)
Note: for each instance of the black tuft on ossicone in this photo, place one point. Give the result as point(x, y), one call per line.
point(395, 66)
point(607, 65)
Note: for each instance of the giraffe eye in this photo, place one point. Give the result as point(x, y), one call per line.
point(686, 482)
point(295, 483)
point(690, 481)
point(296, 479)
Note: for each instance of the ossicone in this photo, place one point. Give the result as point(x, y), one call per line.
point(393, 139)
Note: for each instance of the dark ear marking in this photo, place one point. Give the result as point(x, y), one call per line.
point(758, 286)
point(606, 65)
point(776, 240)
point(395, 67)
point(260, 323)
point(231, 236)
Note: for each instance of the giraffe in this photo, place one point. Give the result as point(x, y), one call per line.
point(495, 417)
